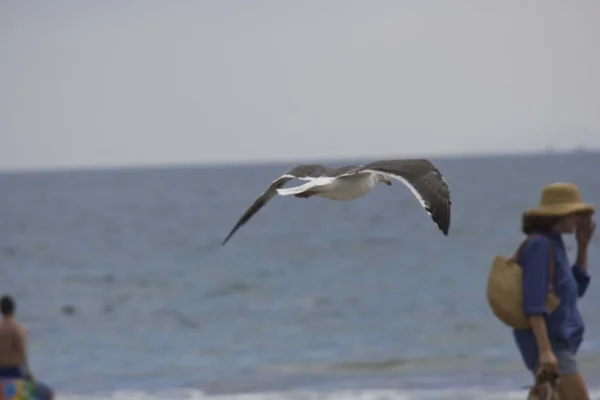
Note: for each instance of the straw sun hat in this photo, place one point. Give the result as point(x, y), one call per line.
point(560, 199)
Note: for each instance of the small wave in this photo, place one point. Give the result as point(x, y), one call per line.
point(176, 316)
point(390, 364)
point(441, 394)
point(349, 366)
point(230, 289)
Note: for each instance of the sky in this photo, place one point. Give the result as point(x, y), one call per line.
point(117, 83)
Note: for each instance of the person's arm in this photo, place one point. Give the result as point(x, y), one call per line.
point(23, 352)
point(580, 270)
point(540, 331)
point(535, 261)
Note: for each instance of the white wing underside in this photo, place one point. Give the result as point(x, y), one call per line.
point(314, 183)
point(345, 187)
point(405, 182)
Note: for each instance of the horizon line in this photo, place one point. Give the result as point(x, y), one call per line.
point(291, 161)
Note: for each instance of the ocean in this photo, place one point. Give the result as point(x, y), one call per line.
point(121, 280)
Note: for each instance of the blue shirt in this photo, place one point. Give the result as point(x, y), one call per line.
point(565, 325)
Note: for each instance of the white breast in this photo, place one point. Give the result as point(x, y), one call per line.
point(349, 188)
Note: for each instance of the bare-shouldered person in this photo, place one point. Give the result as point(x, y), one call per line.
point(13, 358)
point(13, 349)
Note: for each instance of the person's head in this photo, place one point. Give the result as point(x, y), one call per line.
point(559, 209)
point(7, 306)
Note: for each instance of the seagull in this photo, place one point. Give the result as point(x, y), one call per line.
point(350, 182)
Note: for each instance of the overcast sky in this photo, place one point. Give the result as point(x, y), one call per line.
point(90, 83)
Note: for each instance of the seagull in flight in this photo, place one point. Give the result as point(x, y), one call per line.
point(350, 182)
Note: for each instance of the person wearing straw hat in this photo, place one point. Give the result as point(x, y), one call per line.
point(553, 339)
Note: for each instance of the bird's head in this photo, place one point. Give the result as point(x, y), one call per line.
point(384, 179)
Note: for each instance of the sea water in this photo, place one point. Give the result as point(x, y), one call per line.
point(126, 292)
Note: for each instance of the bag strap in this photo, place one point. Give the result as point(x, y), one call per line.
point(518, 252)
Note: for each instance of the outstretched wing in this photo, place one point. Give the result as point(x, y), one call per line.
point(425, 181)
point(303, 172)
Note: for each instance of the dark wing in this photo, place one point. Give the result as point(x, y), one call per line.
point(304, 172)
point(309, 171)
point(346, 170)
point(425, 181)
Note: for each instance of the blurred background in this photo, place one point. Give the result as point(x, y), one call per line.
point(133, 135)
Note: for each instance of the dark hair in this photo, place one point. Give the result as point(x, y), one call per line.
point(538, 224)
point(7, 305)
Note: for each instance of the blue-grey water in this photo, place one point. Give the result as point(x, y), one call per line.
point(124, 287)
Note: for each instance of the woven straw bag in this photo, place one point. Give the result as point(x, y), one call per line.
point(505, 286)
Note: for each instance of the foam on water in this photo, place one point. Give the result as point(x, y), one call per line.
point(473, 393)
